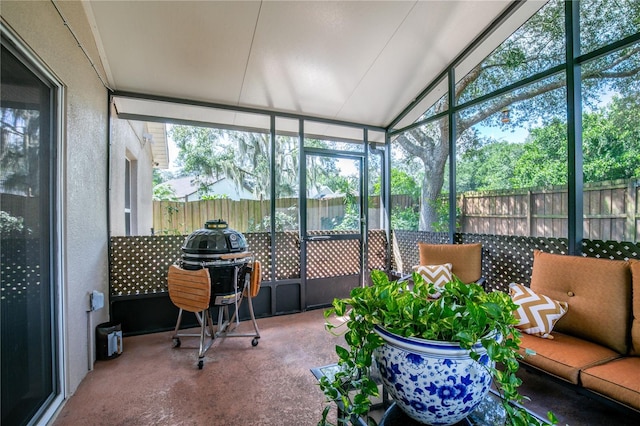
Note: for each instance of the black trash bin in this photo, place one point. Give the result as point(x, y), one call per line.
point(108, 340)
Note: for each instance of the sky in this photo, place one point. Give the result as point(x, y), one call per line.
point(511, 134)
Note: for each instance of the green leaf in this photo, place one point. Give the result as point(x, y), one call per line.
point(342, 352)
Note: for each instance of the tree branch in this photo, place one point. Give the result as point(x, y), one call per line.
point(529, 94)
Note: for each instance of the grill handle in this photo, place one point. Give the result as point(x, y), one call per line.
point(235, 255)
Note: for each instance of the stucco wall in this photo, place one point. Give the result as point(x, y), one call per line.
point(84, 172)
point(127, 141)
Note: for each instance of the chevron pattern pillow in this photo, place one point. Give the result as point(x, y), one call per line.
point(537, 314)
point(437, 275)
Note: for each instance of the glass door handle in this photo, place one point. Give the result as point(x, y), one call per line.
point(318, 238)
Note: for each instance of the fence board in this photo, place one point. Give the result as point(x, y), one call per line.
point(610, 212)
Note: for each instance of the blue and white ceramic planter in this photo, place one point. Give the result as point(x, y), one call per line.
point(435, 383)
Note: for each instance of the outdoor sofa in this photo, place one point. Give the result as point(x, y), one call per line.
point(595, 344)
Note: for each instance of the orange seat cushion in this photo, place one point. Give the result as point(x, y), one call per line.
point(618, 380)
point(465, 258)
point(563, 356)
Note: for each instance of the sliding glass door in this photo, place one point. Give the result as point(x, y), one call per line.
point(28, 332)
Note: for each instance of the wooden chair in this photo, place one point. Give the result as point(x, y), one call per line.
point(466, 259)
point(191, 291)
point(255, 279)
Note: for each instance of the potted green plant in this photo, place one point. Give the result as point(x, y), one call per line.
point(479, 323)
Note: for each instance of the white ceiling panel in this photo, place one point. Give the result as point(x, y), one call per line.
point(420, 50)
point(310, 56)
point(356, 61)
point(186, 49)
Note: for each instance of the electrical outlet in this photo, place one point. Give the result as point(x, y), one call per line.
point(96, 300)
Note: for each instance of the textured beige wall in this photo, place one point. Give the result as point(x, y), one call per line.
point(85, 262)
point(127, 142)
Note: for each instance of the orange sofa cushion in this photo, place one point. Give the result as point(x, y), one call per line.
point(635, 310)
point(563, 356)
point(465, 258)
point(598, 292)
point(618, 380)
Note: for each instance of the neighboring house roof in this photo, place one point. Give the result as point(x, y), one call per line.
point(322, 192)
point(183, 187)
point(187, 189)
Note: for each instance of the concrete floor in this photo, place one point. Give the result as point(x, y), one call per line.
point(270, 384)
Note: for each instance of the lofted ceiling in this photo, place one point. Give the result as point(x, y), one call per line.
point(353, 61)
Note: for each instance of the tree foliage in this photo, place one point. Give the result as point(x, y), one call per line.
point(164, 192)
point(488, 167)
point(535, 47)
point(209, 154)
point(212, 154)
point(611, 150)
point(402, 183)
point(544, 158)
point(20, 146)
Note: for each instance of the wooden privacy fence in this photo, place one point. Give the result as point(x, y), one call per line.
point(181, 218)
point(611, 212)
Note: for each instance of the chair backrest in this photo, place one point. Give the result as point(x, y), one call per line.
point(465, 258)
point(256, 278)
point(189, 290)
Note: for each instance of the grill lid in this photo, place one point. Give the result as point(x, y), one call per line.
point(215, 238)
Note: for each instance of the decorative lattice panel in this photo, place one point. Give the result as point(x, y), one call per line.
point(259, 243)
point(138, 265)
point(405, 247)
point(615, 250)
point(342, 257)
point(377, 254)
point(332, 258)
point(20, 276)
point(288, 255)
point(507, 259)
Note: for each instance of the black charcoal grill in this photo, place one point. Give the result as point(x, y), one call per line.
point(234, 274)
point(213, 247)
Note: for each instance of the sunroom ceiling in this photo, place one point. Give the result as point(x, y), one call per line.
point(354, 61)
